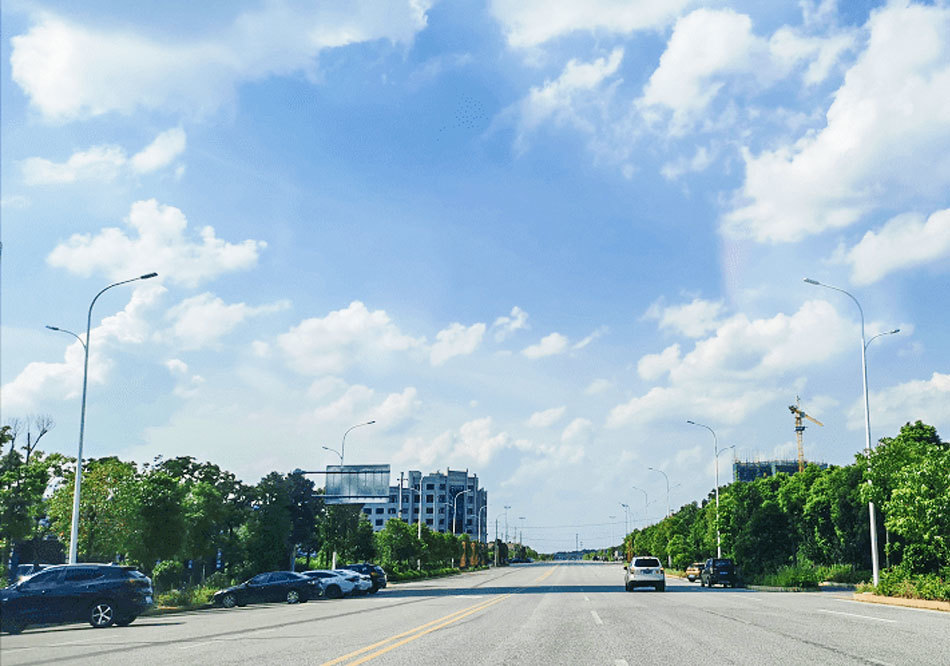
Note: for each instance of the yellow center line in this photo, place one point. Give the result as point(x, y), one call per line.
point(546, 573)
point(427, 631)
point(451, 617)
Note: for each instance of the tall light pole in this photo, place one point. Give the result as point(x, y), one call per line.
point(455, 507)
point(485, 509)
point(521, 533)
point(612, 519)
point(74, 529)
point(343, 444)
point(667, 488)
point(646, 502)
point(716, 457)
point(875, 566)
point(334, 451)
point(626, 519)
point(507, 506)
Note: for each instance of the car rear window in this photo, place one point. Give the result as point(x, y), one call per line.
point(646, 562)
point(722, 563)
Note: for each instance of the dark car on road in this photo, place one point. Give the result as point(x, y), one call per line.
point(375, 572)
point(101, 594)
point(286, 586)
point(719, 571)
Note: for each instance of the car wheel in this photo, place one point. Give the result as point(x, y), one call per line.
point(293, 596)
point(228, 601)
point(373, 590)
point(702, 583)
point(661, 587)
point(102, 614)
point(628, 587)
point(125, 621)
point(334, 592)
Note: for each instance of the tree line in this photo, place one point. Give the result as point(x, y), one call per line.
point(819, 517)
point(187, 519)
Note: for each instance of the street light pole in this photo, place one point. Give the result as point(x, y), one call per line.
point(484, 508)
point(74, 529)
point(343, 444)
point(872, 514)
point(667, 488)
point(507, 506)
point(646, 502)
point(626, 519)
point(455, 507)
point(334, 451)
point(716, 457)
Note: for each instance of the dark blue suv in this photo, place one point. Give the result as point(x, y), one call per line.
point(101, 594)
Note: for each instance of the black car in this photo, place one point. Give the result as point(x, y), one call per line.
point(719, 571)
point(286, 586)
point(375, 572)
point(102, 594)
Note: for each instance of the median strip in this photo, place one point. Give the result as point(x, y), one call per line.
point(387, 644)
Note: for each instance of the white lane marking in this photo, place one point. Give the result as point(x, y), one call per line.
point(193, 645)
point(863, 617)
point(597, 619)
point(586, 598)
point(745, 596)
point(621, 662)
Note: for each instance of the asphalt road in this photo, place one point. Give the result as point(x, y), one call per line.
point(566, 613)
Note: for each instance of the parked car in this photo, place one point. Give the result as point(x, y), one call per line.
point(335, 583)
point(376, 573)
point(24, 571)
point(101, 594)
point(363, 582)
point(694, 570)
point(721, 571)
point(644, 572)
point(286, 586)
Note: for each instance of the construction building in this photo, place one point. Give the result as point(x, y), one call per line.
point(436, 496)
point(751, 470)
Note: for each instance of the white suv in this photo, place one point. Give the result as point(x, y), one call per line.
point(644, 572)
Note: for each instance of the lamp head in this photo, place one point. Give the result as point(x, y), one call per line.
point(148, 276)
point(810, 281)
point(52, 328)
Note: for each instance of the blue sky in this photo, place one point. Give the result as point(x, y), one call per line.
point(528, 238)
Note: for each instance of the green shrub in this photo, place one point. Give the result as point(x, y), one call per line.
point(218, 580)
point(793, 576)
point(844, 573)
point(172, 599)
point(167, 574)
point(897, 582)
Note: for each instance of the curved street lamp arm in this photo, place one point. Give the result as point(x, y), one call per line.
point(63, 330)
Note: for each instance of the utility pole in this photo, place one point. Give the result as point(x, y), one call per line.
point(401, 474)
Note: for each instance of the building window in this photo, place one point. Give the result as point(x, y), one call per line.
point(391, 511)
point(430, 486)
point(379, 522)
point(379, 510)
point(430, 498)
point(429, 509)
point(428, 521)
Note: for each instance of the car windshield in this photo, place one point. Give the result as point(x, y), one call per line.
point(722, 563)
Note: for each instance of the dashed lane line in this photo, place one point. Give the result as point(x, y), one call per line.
point(863, 617)
point(596, 617)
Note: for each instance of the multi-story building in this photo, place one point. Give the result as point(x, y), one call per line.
point(751, 470)
point(435, 496)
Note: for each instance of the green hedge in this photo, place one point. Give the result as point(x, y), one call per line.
point(896, 582)
point(189, 597)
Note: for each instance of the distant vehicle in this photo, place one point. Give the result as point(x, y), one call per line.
point(24, 571)
point(286, 586)
point(694, 570)
point(719, 571)
point(335, 583)
point(101, 594)
point(376, 573)
point(363, 582)
point(644, 572)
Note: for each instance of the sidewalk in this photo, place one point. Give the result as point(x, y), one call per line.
point(869, 598)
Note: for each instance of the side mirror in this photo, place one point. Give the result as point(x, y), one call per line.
point(625, 567)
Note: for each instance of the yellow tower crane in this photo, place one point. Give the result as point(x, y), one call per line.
point(796, 409)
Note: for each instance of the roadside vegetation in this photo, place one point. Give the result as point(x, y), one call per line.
point(804, 529)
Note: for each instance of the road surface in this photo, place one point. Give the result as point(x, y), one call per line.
point(543, 613)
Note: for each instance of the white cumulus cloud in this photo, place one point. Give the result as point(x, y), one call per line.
point(547, 417)
point(333, 343)
point(505, 326)
point(69, 70)
point(886, 141)
point(693, 319)
point(927, 400)
point(456, 340)
point(904, 242)
point(159, 244)
point(203, 319)
point(550, 345)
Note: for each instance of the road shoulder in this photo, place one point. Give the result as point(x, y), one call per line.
point(869, 598)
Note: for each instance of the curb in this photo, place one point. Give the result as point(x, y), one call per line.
point(927, 604)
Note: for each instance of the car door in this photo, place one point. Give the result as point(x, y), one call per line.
point(256, 589)
point(39, 599)
point(277, 586)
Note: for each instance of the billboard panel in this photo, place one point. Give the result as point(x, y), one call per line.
point(357, 484)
